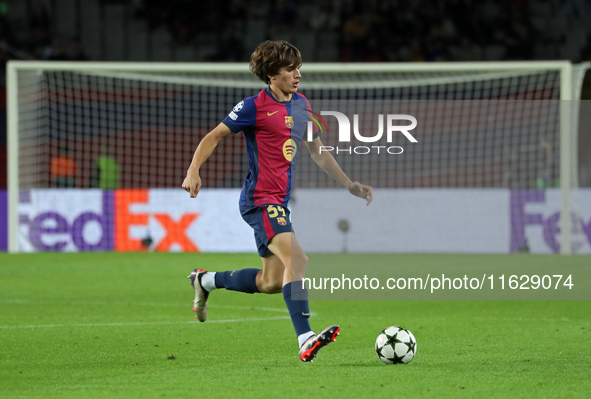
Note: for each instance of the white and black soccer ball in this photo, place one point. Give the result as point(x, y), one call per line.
point(396, 345)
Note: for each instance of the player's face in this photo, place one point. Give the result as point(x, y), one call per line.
point(287, 80)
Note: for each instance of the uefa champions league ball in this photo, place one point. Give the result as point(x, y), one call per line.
point(396, 345)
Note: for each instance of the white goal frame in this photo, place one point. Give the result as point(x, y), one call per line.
point(567, 133)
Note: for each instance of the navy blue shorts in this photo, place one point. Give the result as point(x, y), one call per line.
point(267, 221)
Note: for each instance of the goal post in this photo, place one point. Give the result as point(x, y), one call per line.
point(567, 151)
point(150, 116)
point(13, 152)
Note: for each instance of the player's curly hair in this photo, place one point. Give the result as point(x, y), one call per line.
point(270, 56)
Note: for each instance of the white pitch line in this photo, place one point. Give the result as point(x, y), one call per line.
point(146, 323)
point(143, 304)
point(284, 310)
point(249, 308)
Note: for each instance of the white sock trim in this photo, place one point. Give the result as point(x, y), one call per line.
point(208, 281)
point(302, 338)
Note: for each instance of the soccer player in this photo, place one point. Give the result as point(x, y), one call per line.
point(274, 123)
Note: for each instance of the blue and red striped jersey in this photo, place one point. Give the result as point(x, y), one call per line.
point(274, 131)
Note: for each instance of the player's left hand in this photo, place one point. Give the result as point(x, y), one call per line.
point(361, 191)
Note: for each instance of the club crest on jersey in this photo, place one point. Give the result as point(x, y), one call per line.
point(281, 221)
point(289, 121)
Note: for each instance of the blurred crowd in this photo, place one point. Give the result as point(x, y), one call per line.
point(41, 44)
point(356, 30)
point(39, 41)
point(369, 30)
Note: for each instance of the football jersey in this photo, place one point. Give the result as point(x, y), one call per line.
point(274, 131)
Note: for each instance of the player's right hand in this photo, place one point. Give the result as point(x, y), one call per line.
point(362, 191)
point(192, 184)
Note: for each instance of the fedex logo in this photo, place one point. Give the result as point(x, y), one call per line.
point(65, 220)
point(93, 220)
point(527, 211)
point(169, 232)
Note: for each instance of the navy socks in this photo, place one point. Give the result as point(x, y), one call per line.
point(299, 310)
point(243, 280)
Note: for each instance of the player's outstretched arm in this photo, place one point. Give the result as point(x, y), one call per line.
point(192, 182)
point(328, 164)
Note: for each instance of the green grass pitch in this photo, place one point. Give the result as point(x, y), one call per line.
point(112, 325)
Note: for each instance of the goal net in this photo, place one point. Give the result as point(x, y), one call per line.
point(131, 126)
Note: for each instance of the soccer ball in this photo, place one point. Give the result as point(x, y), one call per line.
point(396, 345)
